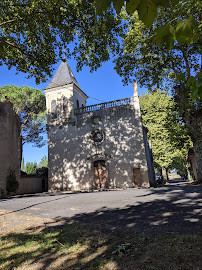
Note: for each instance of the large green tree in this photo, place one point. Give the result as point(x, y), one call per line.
point(171, 61)
point(33, 34)
point(31, 168)
point(30, 105)
point(43, 162)
point(169, 136)
point(166, 52)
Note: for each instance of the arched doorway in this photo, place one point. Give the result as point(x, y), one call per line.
point(137, 177)
point(100, 174)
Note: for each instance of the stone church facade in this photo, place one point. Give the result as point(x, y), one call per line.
point(94, 147)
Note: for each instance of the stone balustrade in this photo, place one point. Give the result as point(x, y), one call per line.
point(106, 105)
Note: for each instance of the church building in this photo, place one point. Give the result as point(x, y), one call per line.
point(94, 147)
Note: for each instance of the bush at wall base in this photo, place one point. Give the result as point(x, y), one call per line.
point(12, 183)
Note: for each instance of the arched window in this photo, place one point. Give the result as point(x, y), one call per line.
point(53, 109)
point(77, 103)
point(65, 106)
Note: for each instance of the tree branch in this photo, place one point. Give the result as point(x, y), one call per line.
point(16, 47)
point(8, 22)
point(186, 61)
point(24, 123)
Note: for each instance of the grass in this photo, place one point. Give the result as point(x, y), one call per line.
point(74, 247)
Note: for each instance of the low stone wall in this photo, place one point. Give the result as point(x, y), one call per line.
point(32, 184)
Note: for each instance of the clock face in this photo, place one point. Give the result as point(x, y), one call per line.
point(98, 136)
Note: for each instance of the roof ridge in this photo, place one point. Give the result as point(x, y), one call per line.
point(63, 76)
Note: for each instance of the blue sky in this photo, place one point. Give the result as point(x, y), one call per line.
point(103, 84)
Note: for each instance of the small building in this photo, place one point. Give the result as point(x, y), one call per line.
point(10, 143)
point(94, 147)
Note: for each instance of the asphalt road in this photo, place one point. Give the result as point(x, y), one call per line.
point(173, 208)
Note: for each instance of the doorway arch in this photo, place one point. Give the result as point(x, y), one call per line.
point(100, 174)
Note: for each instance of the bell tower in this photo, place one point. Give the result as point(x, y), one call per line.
point(63, 95)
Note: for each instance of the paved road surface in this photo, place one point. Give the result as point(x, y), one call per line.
point(174, 208)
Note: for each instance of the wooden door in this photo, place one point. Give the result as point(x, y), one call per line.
point(137, 177)
point(100, 174)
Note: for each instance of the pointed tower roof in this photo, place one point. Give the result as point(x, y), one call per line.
point(63, 76)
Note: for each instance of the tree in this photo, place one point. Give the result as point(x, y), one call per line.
point(23, 165)
point(170, 64)
point(34, 34)
point(96, 29)
point(12, 182)
point(147, 10)
point(165, 53)
point(31, 168)
point(169, 136)
point(30, 105)
point(43, 162)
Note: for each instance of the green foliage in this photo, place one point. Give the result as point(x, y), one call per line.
point(180, 165)
point(169, 136)
point(165, 35)
point(23, 165)
point(12, 183)
point(147, 10)
point(31, 168)
point(170, 36)
point(186, 30)
point(170, 46)
point(41, 169)
point(34, 34)
point(30, 105)
point(43, 162)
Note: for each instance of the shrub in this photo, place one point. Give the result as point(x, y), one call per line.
point(12, 183)
point(42, 171)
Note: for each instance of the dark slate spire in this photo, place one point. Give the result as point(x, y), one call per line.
point(63, 76)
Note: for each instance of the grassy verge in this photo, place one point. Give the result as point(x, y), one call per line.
point(75, 247)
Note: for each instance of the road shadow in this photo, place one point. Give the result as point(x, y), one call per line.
point(177, 211)
point(149, 234)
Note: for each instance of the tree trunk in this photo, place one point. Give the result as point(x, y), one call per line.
point(164, 175)
point(191, 112)
point(198, 159)
point(196, 127)
point(188, 172)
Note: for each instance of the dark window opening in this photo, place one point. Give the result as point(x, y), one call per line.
point(77, 103)
point(65, 106)
point(53, 109)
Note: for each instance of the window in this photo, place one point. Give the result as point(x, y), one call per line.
point(53, 109)
point(97, 136)
point(77, 103)
point(65, 106)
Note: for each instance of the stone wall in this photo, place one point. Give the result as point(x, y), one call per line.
point(72, 151)
point(33, 184)
point(149, 156)
point(10, 143)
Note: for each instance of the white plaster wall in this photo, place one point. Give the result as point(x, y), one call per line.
point(56, 94)
point(72, 151)
point(72, 92)
point(77, 95)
